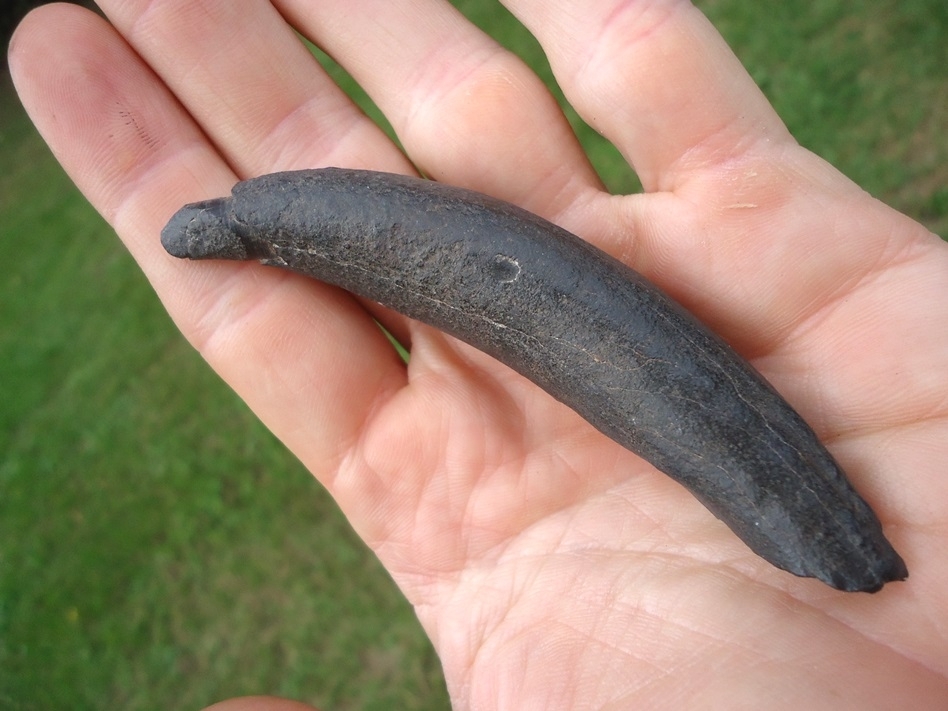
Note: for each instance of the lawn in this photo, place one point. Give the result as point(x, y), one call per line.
point(160, 549)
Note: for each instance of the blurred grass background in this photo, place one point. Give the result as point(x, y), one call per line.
point(160, 549)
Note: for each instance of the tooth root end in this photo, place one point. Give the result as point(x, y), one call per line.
point(174, 236)
point(202, 230)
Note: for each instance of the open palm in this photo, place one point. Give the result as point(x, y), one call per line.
point(551, 568)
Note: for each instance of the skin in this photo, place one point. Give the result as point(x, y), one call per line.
point(551, 568)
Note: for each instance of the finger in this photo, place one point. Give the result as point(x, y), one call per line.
point(253, 87)
point(260, 703)
point(467, 111)
point(657, 79)
point(137, 156)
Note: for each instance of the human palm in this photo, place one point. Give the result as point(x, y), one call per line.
point(551, 568)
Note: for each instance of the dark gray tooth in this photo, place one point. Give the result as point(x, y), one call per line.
point(584, 327)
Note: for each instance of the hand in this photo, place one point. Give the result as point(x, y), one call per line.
point(551, 568)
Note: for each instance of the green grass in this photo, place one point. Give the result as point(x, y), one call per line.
point(158, 547)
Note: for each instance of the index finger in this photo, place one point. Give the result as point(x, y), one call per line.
point(137, 155)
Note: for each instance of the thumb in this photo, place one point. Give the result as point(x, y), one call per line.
point(260, 703)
